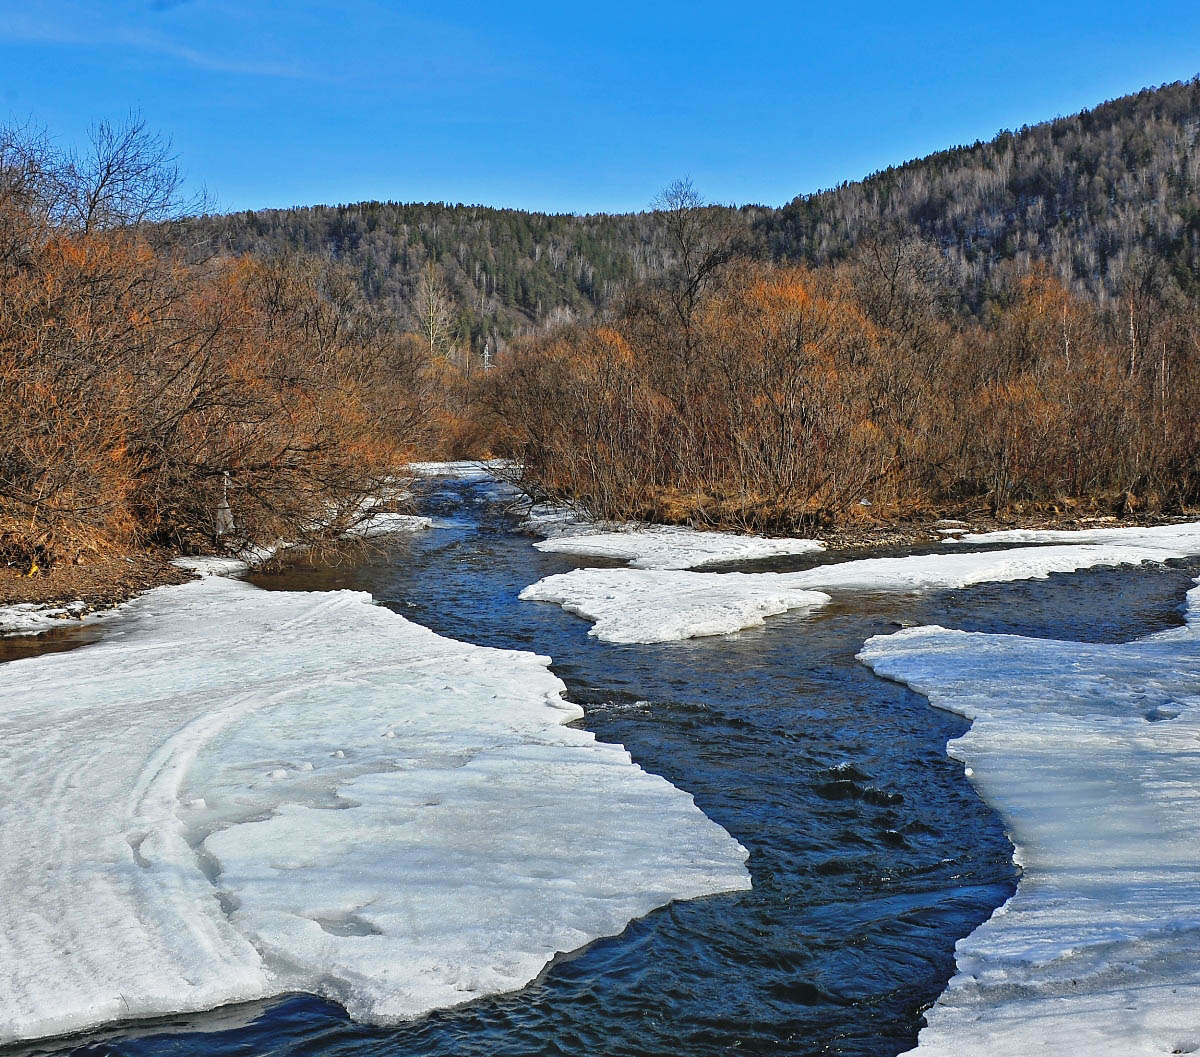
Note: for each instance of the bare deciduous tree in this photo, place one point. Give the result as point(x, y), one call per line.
point(434, 310)
point(127, 176)
point(701, 239)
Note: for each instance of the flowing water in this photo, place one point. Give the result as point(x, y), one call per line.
point(870, 852)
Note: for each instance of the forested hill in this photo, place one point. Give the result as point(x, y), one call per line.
point(1106, 197)
point(506, 271)
point(1098, 196)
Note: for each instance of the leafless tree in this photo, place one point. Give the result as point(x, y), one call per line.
point(701, 239)
point(126, 176)
point(433, 309)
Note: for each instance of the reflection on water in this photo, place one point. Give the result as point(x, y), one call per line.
point(869, 851)
point(57, 640)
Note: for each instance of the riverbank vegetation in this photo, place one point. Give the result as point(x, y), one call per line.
point(152, 399)
point(782, 398)
point(1008, 326)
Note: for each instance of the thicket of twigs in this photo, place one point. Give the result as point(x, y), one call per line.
point(780, 398)
point(144, 384)
point(137, 391)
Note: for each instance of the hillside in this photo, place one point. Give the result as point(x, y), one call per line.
point(1106, 197)
point(507, 271)
point(1097, 196)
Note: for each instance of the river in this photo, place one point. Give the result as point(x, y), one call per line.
point(870, 852)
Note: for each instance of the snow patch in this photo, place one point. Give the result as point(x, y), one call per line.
point(203, 809)
point(556, 519)
point(32, 618)
point(674, 547)
point(215, 565)
point(631, 605)
point(386, 523)
point(462, 470)
point(1184, 537)
point(646, 546)
point(1091, 754)
point(639, 605)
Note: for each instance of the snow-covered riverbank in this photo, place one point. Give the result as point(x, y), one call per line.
point(239, 793)
point(1091, 754)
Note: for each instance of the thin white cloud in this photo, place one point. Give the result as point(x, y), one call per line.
point(78, 25)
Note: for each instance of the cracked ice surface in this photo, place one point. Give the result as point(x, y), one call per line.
point(636, 605)
point(240, 793)
point(1091, 754)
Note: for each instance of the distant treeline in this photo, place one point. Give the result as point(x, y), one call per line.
point(1101, 198)
point(1105, 199)
point(507, 272)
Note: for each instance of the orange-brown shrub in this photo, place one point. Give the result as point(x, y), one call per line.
point(135, 391)
point(795, 397)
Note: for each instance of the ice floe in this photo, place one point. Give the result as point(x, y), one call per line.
point(1091, 754)
point(674, 547)
point(634, 605)
point(1184, 536)
point(638, 605)
point(240, 793)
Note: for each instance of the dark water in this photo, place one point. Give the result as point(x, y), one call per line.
point(56, 640)
point(870, 853)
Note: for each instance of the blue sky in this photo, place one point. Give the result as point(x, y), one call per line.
point(568, 107)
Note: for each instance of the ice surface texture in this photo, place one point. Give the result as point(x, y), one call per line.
point(32, 618)
point(673, 547)
point(662, 605)
point(1091, 754)
point(240, 793)
point(639, 605)
point(1185, 535)
point(462, 470)
point(386, 523)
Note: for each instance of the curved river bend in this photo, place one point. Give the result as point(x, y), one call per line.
point(869, 851)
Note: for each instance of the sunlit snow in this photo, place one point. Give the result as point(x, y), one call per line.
point(635, 605)
point(240, 793)
point(674, 547)
point(1185, 535)
point(387, 523)
point(461, 470)
point(640, 605)
point(32, 618)
point(1091, 754)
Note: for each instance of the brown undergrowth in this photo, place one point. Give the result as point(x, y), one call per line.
point(787, 401)
point(149, 400)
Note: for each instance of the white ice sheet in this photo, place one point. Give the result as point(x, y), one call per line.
point(674, 547)
point(1184, 534)
point(1091, 754)
point(239, 793)
point(633, 605)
